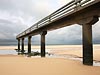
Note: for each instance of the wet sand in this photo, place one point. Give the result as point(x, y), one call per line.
point(21, 65)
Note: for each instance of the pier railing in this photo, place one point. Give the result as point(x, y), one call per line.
point(65, 10)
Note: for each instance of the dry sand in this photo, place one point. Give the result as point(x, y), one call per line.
point(20, 65)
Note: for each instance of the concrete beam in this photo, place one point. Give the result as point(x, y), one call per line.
point(29, 44)
point(73, 17)
point(43, 43)
point(22, 45)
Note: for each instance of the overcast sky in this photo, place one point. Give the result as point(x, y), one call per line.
point(18, 15)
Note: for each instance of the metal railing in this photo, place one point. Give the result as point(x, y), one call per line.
point(70, 7)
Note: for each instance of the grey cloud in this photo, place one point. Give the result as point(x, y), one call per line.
point(18, 15)
point(8, 29)
point(67, 35)
point(96, 33)
point(26, 7)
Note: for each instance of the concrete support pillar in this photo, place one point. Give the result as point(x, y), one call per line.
point(22, 45)
point(87, 39)
point(43, 43)
point(87, 45)
point(29, 44)
point(18, 45)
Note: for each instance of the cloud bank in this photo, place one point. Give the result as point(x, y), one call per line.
point(18, 15)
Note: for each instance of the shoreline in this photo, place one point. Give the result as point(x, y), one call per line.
point(12, 47)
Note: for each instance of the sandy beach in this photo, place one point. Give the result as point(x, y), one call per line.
point(21, 65)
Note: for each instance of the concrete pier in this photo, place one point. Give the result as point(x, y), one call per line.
point(22, 45)
point(82, 12)
point(29, 44)
point(43, 43)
